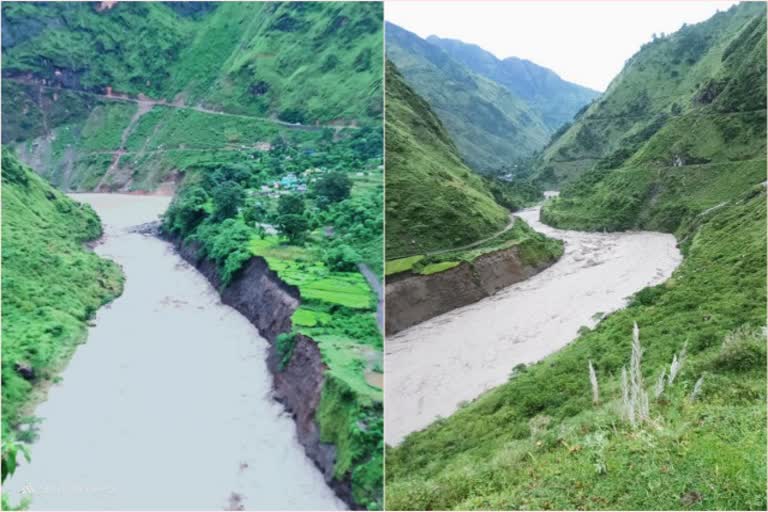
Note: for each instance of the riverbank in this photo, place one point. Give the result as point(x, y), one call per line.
point(422, 287)
point(268, 303)
point(434, 367)
point(166, 365)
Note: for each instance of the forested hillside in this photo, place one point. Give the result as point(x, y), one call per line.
point(52, 285)
point(491, 126)
point(116, 97)
point(676, 144)
point(555, 100)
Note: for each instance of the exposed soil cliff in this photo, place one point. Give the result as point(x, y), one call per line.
point(413, 298)
point(268, 303)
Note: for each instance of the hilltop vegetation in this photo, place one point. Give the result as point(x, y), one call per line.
point(300, 63)
point(553, 99)
point(694, 161)
point(52, 285)
point(540, 441)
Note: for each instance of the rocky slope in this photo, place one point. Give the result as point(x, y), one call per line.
point(413, 298)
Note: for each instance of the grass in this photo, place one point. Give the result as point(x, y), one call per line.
point(52, 285)
point(434, 268)
point(401, 264)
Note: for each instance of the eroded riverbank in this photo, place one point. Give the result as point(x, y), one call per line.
point(169, 403)
point(433, 367)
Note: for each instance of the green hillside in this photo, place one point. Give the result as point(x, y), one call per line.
point(230, 76)
point(555, 100)
point(693, 161)
point(704, 80)
point(52, 285)
point(491, 126)
point(539, 441)
point(434, 201)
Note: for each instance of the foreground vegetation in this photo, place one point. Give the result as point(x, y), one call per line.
point(544, 440)
point(52, 286)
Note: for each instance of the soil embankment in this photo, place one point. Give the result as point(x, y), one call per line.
point(268, 303)
point(414, 298)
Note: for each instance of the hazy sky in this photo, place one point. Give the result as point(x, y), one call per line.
point(585, 42)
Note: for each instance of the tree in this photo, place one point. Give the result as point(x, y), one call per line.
point(342, 258)
point(187, 211)
point(227, 199)
point(294, 227)
point(332, 188)
point(290, 204)
point(255, 213)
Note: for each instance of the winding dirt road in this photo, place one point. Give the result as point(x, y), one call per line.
point(149, 102)
point(433, 367)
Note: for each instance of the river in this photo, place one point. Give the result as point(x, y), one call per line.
point(168, 404)
point(432, 367)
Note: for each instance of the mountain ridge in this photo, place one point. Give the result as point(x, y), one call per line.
point(557, 100)
point(491, 126)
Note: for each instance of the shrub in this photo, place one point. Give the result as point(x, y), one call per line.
point(743, 350)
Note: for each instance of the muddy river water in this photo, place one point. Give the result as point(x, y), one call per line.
point(432, 367)
point(168, 405)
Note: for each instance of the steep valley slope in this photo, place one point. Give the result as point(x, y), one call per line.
point(434, 201)
point(125, 97)
point(450, 238)
point(499, 113)
point(555, 100)
point(676, 144)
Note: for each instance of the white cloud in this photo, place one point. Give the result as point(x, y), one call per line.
point(585, 42)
